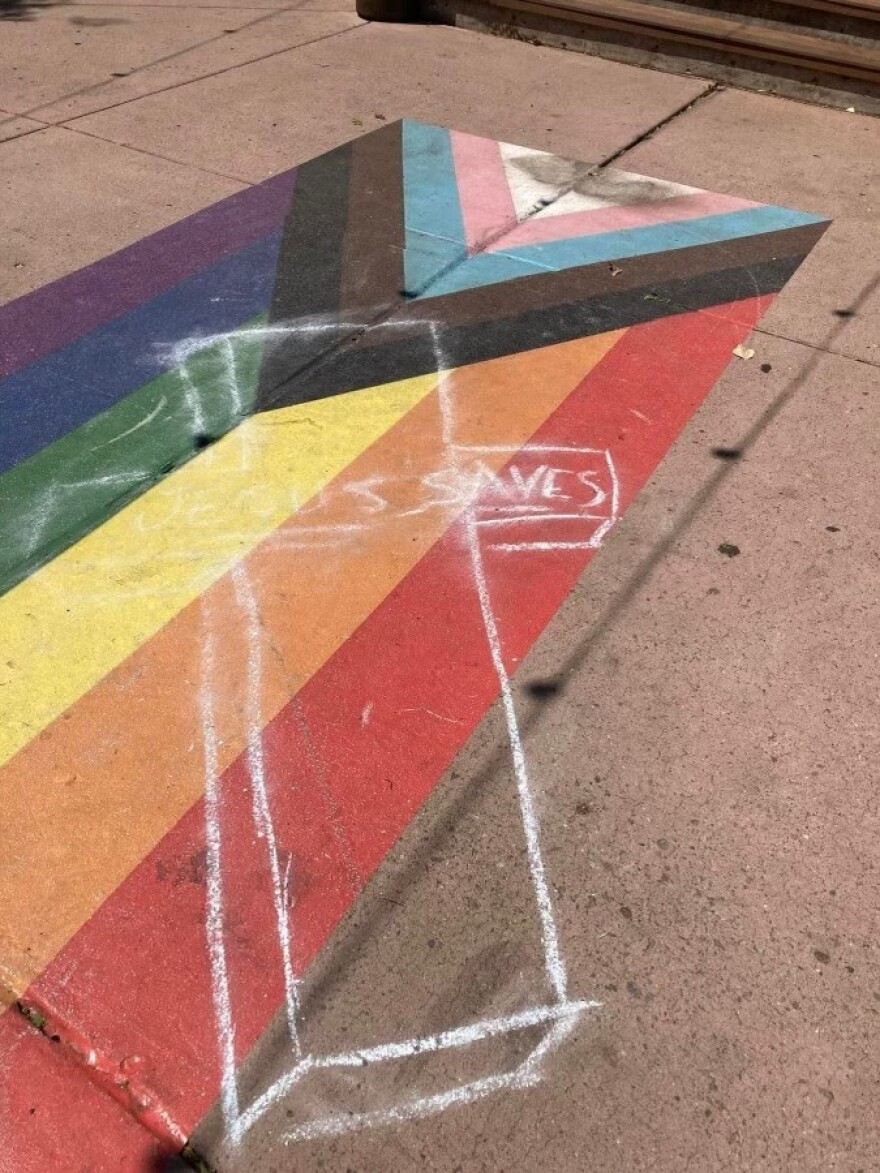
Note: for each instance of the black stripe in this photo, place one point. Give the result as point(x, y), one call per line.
point(358, 365)
point(538, 289)
point(308, 276)
point(372, 256)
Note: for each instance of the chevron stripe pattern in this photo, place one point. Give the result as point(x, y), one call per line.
point(239, 464)
point(432, 237)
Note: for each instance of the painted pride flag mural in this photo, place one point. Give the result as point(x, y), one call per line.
point(367, 420)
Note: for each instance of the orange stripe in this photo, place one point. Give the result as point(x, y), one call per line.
point(123, 763)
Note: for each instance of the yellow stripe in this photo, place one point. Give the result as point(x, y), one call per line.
point(73, 621)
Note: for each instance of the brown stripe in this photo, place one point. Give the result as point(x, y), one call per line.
point(307, 276)
point(372, 249)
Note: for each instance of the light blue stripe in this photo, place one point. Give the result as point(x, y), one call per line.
point(486, 269)
point(430, 192)
point(483, 269)
point(432, 214)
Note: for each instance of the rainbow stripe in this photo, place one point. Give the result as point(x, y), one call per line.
point(240, 460)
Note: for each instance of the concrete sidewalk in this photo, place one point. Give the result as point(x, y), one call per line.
point(703, 726)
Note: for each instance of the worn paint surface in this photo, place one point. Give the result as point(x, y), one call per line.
point(289, 490)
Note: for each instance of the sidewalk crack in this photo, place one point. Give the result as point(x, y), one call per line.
point(711, 89)
point(868, 362)
point(68, 123)
point(122, 1083)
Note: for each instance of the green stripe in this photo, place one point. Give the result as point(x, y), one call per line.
point(67, 489)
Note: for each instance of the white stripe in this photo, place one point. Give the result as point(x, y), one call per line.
point(526, 1075)
point(552, 957)
point(528, 447)
point(516, 547)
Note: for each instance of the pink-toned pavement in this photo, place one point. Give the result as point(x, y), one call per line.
point(702, 727)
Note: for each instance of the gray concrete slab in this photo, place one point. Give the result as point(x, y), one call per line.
point(274, 113)
point(84, 45)
point(706, 792)
point(265, 35)
point(802, 156)
point(111, 197)
point(13, 125)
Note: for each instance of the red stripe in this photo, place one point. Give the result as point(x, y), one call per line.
point(52, 1118)
point(135, 980)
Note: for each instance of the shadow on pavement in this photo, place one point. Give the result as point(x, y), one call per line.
point(21, 9)
point(175, 1163)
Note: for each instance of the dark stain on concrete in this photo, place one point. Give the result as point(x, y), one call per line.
point(97, 22)
point(727, 453)
point(192, 871)
point(609, 185)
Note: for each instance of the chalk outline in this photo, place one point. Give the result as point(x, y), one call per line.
point(562, 1014)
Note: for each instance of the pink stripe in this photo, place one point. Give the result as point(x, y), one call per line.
point(590, 223)
point(486, 205)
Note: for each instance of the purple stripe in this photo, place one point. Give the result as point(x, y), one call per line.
point(55, 314)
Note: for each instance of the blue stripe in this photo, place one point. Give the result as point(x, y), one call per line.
point(432, 214)
point(487, 268)
point(64, 389)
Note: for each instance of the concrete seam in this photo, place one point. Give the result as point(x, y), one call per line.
point(14, 137)
point(152, 64)
point(712, 89)
point(39, 1024)
point(214, 73)
point(138, 69)
point(195, 1160)
point(869, 362)
point(152, 154)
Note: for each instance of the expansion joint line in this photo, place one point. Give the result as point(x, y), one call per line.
point(712, 89)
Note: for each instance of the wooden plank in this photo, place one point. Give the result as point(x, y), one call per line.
point(715, 31)
point(863, 9)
